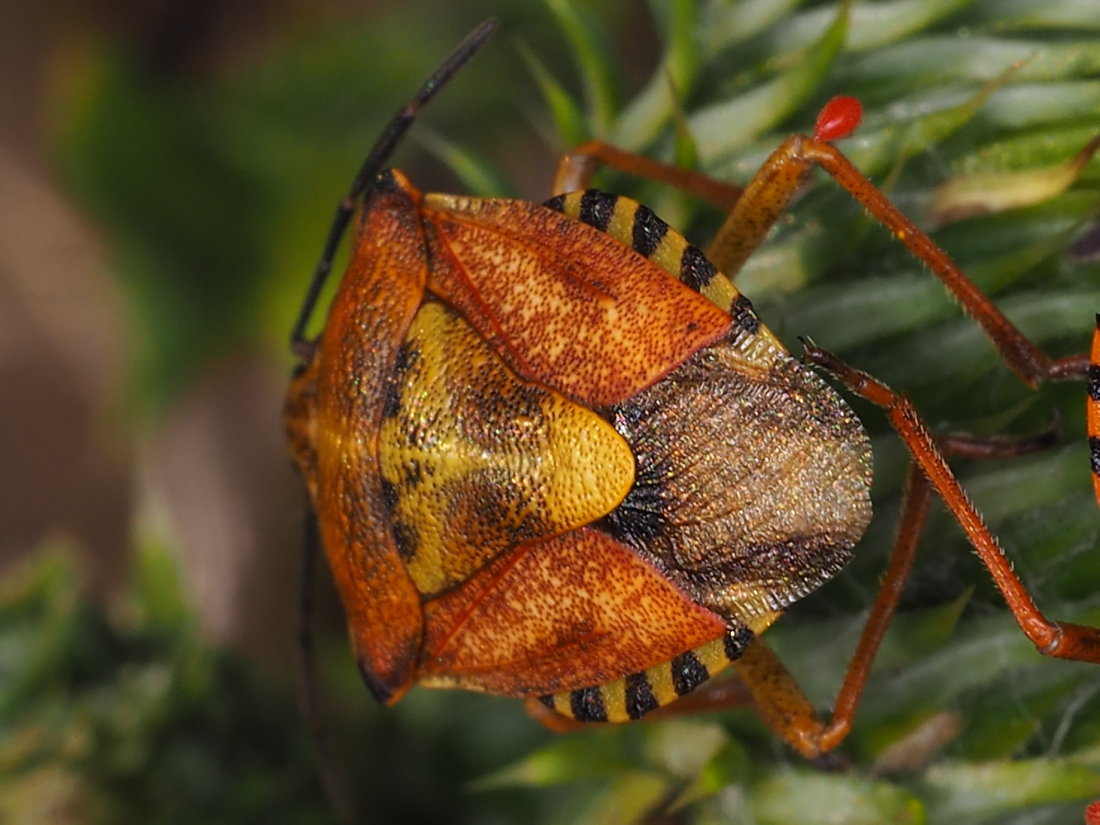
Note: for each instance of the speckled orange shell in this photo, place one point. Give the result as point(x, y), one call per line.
point(562, 302)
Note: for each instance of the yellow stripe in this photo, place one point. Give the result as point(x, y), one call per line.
point(571, 205)
point(621, 225)
point(712, 656)
point(669, 252)
point(660, 681)
point(721, 291)
point(562, 704)
point(614, 700)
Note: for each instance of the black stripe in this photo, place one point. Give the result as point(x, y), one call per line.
point(648, 231)
point(587, 705)
point(407, 357)
point(639, 696)
point(597, 208)
point(405, 538)
point(548, 700)
point(389, 494)
point(736, 640)
point(695, 270)
point(1094, 454)
point(391, 401)
point(1094, 382)
point(557, 203)
point(687, 673)
point(744, 315)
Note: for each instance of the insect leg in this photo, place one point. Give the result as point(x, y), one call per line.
point(576, 169)
point(780, 702)
point(1061, 640)
point(772, 187)
point(914, 512)
point(332, 778)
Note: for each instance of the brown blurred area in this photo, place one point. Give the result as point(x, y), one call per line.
point(79, 468)
point(65, 473)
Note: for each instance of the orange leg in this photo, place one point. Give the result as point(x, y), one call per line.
point(1062, 640)
point(768, 194)
point(576, 169)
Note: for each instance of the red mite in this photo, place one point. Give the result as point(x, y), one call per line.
point(838, 118)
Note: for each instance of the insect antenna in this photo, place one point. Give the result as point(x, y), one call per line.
point(368, 171)
point(329, 769)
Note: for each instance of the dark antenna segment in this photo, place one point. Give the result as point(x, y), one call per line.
point(368, 171)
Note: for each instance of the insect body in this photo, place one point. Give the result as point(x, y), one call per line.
point(555, 454)
point(586, 472)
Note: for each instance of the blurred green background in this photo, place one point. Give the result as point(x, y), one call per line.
point(167, 173)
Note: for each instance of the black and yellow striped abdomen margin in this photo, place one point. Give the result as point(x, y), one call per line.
point(635, 695)
point(638, 227)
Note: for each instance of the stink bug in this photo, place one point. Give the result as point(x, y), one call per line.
point(554, 453)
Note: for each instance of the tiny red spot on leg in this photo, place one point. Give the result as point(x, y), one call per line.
point(838, 118)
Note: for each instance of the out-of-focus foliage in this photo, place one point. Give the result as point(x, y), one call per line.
point(130, 718)
point(215, 194)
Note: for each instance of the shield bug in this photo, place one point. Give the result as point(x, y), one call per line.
point(554, 453)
